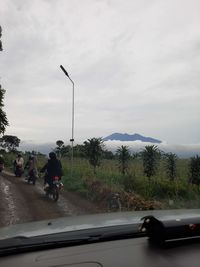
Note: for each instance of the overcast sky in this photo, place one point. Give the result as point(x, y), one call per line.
point(135, 65)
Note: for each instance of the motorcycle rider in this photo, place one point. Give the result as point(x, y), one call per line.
point(1, 159)
point(1, 163)
point(18, 165)
point(52, 168)
point(31, 165)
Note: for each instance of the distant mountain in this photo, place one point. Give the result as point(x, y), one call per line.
point(131, 137)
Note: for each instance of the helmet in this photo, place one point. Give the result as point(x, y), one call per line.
point(52, 155)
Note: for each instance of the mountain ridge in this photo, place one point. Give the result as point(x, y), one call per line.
point(131, 137)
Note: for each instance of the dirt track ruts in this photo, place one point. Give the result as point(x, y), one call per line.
point(22, 202)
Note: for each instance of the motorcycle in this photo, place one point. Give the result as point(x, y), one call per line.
point(54, 189)
point(1, 167)
point(32, 176)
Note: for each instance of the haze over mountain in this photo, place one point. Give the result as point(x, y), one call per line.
point(183, 150)
point(131, 137)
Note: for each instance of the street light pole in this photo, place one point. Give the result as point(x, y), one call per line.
point(72, 138)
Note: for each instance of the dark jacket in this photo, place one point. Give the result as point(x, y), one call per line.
point(53, 168)
point(1, 160)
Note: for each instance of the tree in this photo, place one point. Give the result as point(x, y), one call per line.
point(10, 142)
point(135, 155)
point(108, 154)
point(93, 149)
point(171, 165)
point(123, 156)
point(3, 117)
point(65, 151)
point(150, 156)
point(59, 147)
point(79, 151)
point(59, 144)
point(194, 170)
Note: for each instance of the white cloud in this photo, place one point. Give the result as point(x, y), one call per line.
point(135, 66)
point(184, 150)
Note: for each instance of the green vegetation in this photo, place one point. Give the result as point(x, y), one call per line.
point(171, 165)
point(59, 148)
point(176, 193)
point(123, 156)
point(150, 156)
point(3, 117)
point(9, 142)
point(146, 180)
point(194, 170)
point(93, 150)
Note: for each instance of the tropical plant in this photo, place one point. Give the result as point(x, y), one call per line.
point(93, 150)
point(171, 159)
point(59, 147)
point(123, 156)
point(59, 144)
point(194, 170)
point(150, 156)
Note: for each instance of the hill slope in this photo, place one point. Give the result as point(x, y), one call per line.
point(131, 137)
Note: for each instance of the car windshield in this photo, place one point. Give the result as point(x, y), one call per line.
point(99, 112)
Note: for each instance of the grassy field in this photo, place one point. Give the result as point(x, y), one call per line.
point(171, 194)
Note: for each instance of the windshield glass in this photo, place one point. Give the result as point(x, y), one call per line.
point(99, 111)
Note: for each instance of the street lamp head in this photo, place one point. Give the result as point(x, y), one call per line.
point(64, 70)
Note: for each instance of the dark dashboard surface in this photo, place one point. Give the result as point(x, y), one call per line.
point(129, 252)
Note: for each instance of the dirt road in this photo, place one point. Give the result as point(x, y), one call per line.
point(22, 202)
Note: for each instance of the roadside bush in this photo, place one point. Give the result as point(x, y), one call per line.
point(76, 184)
point(129, 182)
point(9, 158)
point(131, 201)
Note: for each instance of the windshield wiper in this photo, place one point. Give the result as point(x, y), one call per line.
point(22, 243)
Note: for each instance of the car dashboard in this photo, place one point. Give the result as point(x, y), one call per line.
point(128, 252)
